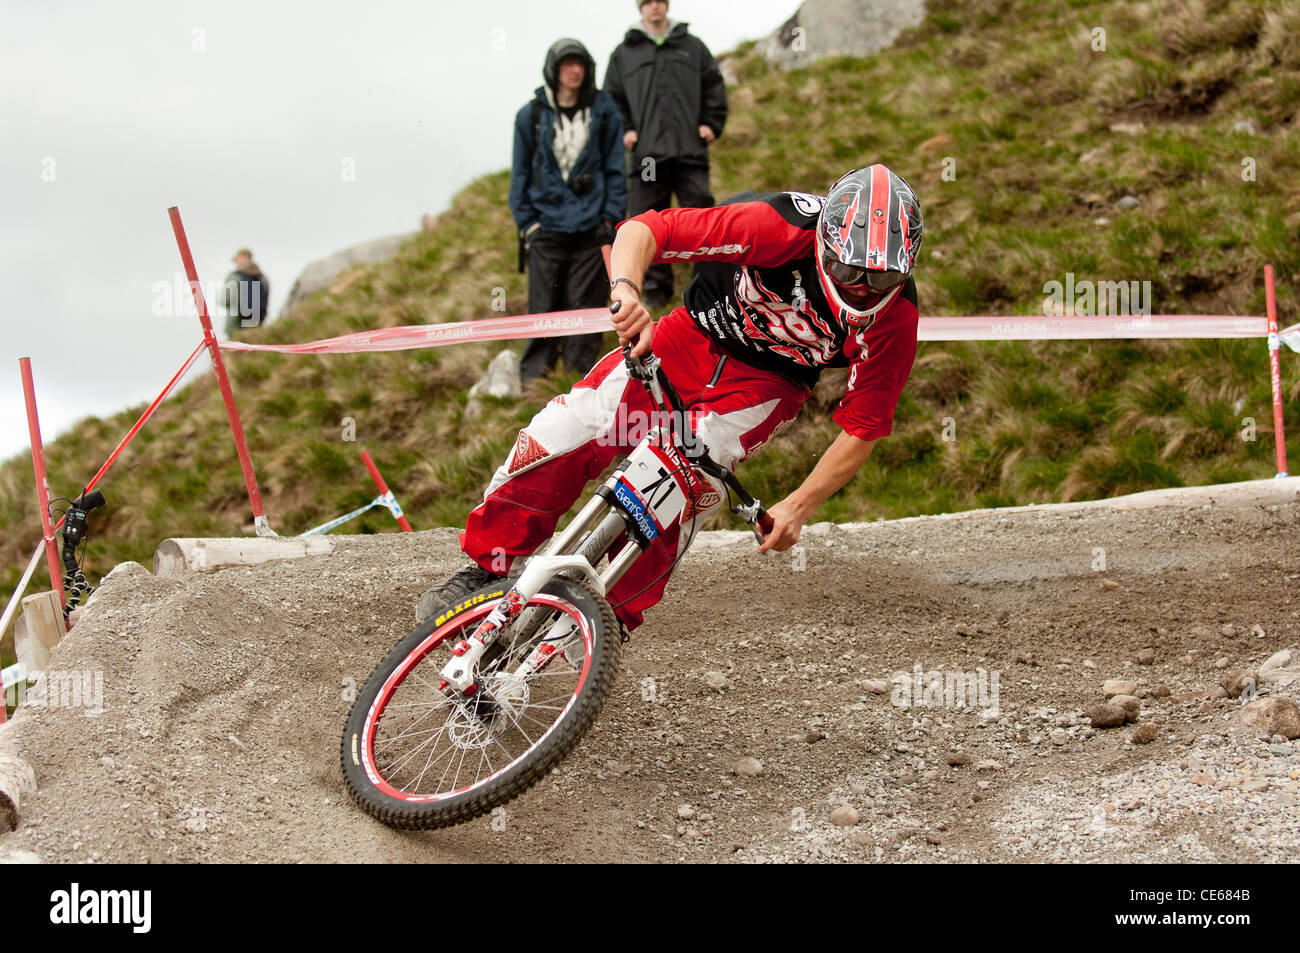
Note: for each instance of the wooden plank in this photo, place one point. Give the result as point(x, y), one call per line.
point(36, 639)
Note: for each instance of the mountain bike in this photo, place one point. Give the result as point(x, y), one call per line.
point(483, 699)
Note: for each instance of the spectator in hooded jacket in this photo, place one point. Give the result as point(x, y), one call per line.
point(246, 295)
point(674, 104)
point(567, 189)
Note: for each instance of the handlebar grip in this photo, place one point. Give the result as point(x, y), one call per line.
point(614, 308)
point(765, 522)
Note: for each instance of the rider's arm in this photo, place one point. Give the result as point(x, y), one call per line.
point(756, 233)
point(633, 252)
point(838, 465)
point(880, 362)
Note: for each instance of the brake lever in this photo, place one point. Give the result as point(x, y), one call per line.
point(757, 518)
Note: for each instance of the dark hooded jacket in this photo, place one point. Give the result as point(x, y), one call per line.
point(539, 192)
point(246, 296)
point(666, 92)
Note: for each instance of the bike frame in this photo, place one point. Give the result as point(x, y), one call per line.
point(649, 492)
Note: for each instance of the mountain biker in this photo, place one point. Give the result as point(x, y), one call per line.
point(787, 284)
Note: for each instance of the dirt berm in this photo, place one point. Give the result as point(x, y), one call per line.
point(224, 694)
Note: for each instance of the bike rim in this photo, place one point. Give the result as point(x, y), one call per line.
point(442, 750)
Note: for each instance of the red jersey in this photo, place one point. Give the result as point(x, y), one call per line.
point(757, 294)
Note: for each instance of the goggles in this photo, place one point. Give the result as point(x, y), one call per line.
point(853, 276)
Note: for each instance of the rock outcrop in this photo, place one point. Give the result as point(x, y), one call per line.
point(321, 273)
point(822, 28)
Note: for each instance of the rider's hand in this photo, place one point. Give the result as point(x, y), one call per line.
point(706, 134)
point(629, 139)
point(787, 523)
point(632, 321)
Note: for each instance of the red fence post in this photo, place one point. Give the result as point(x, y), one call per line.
point(1275, 370)
point(383, 489)
point(260, 523)
point(42, 483)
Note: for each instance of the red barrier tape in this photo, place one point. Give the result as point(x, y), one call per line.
point(972, 328)
point(1015, 328)
point(553, 324)
point(587, 321)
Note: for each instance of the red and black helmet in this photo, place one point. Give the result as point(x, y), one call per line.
point(868, 237)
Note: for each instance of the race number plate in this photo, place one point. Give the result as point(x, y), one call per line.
point(651, 490)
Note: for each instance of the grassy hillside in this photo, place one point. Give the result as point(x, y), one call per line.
point(1044, 135)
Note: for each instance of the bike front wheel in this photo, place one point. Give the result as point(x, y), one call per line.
point(416, 757)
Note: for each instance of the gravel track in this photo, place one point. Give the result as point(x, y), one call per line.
point(224, 696)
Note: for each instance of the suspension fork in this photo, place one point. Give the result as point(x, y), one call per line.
point(601, 523)
point(562, 545)
point(461, 673)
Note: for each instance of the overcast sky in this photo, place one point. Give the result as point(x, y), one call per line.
point(243, 115)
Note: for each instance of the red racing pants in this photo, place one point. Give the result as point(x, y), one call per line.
point(734, 410)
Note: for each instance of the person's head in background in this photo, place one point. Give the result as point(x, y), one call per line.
point(571, 75)
point(654, 15)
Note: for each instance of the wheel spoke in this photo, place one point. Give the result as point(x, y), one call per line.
point(405, 732)
point(409, 786)
point(407, 736)
point(455, 781)
point(428, 763)
point(396, 766)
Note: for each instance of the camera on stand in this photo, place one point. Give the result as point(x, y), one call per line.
point(74, 533)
